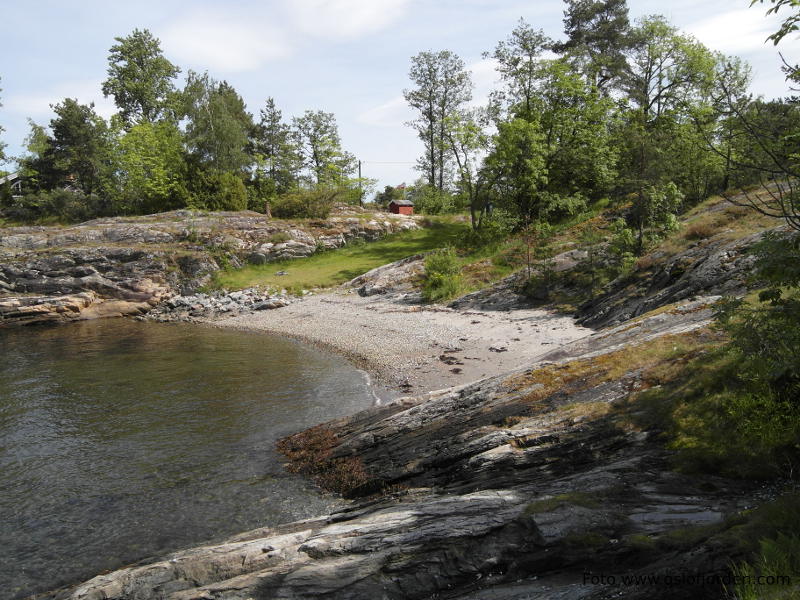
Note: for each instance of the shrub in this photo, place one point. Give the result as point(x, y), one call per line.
point(493, 231)
point(431, 201)
point(700, 231)
point(63, 205)
point(442, 279)
point(779, 558)
point(305, 204)
point(218, 191)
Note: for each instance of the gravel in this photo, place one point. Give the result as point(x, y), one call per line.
point(403, 343)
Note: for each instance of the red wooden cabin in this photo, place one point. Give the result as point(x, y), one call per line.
point(401, 207)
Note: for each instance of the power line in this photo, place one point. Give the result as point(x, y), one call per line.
point(378, 162)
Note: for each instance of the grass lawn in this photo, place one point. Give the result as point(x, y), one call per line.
point(333, 267)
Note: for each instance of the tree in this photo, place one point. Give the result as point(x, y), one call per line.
point(597, 37)
point(318, 143)
point(36, 165)
point(668, 70)
point(790, 24)
point(574, 118)
point(670, 75)
point(518, 64)
point(80, 148)
point(152, 169)
point(219, 126)
point(557, 150)
point(442, 87)
point(388, 194)
point(767, 138)
point(516, 166)
point(468, 143)
point(140, 78)
point(273, 143)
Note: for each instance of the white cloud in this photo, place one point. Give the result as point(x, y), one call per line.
point(485, 78)
point(36, 105)
point(223, 42)
point(344, 19)
point(735, 32)
point(393, 113)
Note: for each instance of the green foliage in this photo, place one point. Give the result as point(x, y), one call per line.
point(210, 190)
point(152, 170)
point(779, 558)
point(517, 61)
point(494, 230)
point(538, 238)
point(622, 245)
point(79, 150)
point(140, 78)
point(429, 200)
point(518, 167)
point(278, 161)
point(320, 149)
point(443, 86)
point(389, 193)
point(597, 37)
point(766, 338)
point(63, 205)
point(557, 150)
point(218, 128)
point(442, 280)
point(314, 203)
point(654, 214)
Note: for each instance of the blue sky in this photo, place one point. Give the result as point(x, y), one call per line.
point(349, 57)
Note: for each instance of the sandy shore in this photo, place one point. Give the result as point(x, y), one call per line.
point(416, 348)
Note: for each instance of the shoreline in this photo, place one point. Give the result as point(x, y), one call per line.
point(412, 348)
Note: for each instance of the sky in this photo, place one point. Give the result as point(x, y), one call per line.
point(348, 57)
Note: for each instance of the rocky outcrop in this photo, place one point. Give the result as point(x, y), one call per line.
point(543, 482)
point(712, 266)
point(200, 307)
point(28, 310)
point(397, 278)
point(143, 260)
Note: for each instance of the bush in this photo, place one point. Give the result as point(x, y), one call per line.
point(431, 201)
point(442, 279)
point(62, 205)
point(493, 231)
point(218, 191)
point(746, 419)
point(305, 204)
point(779, 558)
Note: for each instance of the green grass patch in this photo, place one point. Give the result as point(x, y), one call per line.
point(326, 269)
point(716, 421)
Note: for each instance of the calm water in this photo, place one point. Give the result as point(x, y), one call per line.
point(122, 440)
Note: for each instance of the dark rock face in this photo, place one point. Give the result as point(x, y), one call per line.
point(716, 267)
point(518, 486)
point(144, 260)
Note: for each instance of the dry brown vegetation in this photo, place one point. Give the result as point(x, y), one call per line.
point(309, 453)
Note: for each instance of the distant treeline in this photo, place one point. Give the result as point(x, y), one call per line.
point(169, 148)
point(614, 109)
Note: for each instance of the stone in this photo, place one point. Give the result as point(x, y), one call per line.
point(463, 501)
